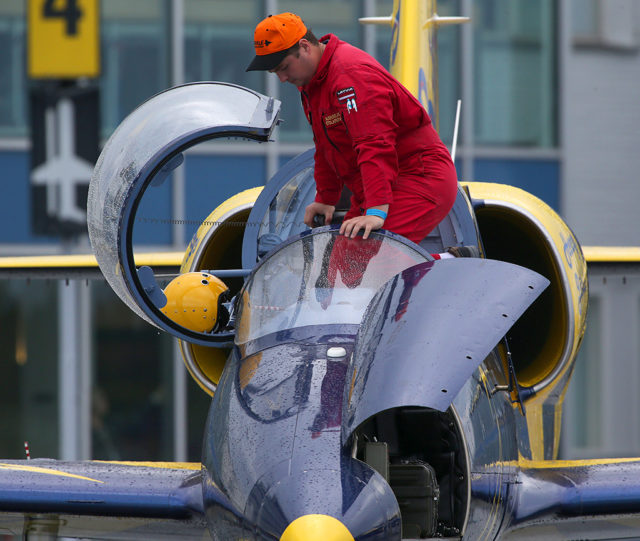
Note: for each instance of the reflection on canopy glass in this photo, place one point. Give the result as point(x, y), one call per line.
point(321, 278)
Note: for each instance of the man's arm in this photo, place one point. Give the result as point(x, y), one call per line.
point(369, 117)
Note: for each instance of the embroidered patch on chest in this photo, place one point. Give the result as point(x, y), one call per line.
point(332, 119)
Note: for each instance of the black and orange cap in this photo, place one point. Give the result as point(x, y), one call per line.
point(273, 37)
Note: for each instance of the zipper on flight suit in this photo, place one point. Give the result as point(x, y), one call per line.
point(326, 132)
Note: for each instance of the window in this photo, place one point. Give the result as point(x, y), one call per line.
point(132, 402)
point(218, 41)
point(28, 368)
point(134, 57)
point(605, 24)
point(515, 73)
point(132, 367)
point(449, 69)
point(13, 82)
point(449, 61)
point(602, 404)
point(582, 422)
point(584, 15)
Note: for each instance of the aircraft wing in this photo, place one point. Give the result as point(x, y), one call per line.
point(577, 499)
point(102, 500)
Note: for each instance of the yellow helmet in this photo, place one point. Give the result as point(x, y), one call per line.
point(193, 300)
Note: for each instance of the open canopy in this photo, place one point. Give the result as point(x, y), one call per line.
point(144, 149)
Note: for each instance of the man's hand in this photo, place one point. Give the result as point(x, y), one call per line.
point(318, 208)
point(351, 227)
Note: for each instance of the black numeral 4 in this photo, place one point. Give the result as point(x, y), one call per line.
point(69, 12)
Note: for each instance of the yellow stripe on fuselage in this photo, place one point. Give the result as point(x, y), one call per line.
point(548, 464)
point(165, 465)
point(524, 463)
point(46, 471)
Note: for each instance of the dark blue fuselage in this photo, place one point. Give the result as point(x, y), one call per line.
point(273, 442)
point(342, 342)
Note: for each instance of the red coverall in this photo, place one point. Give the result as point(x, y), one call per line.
point(374, 137)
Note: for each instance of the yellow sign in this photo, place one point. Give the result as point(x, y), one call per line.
point(63, 39)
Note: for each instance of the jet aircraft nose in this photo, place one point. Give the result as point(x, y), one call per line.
point(348, 503)
point(316, 528)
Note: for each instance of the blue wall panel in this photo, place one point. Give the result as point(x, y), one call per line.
point(15, 201)
point(210, 181)
point(152, 226)
point(284, 159)
point(153, 221)
point(539, 177)
point(213, 179)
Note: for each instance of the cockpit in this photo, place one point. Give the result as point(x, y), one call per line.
point(301, 277)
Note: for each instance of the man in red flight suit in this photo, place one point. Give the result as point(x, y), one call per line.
point(370, 133)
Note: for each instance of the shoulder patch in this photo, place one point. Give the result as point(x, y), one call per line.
point(346, 94)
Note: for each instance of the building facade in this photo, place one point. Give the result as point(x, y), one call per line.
point(549, 104)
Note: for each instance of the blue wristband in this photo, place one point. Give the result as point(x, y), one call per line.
point(377, 212)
